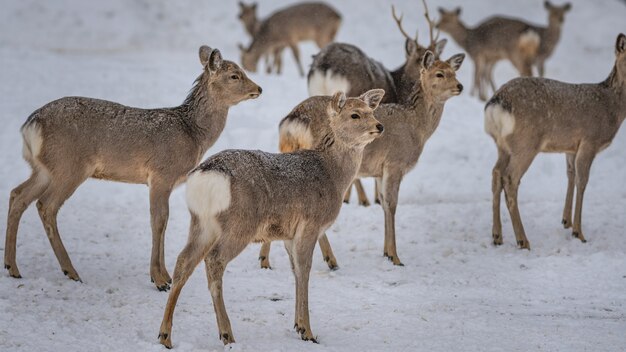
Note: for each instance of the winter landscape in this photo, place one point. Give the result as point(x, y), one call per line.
point(456, 292)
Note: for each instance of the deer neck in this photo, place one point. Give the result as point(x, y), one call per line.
point(342, 161)
point(617, 88)
point(459, 32)
point(252, 27)
point(552, 33)
point(428, 109)
point(205, 111)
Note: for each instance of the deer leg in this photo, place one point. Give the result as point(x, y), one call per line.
point(513, 173)
point(278, 60)
point(569, 196)
point(159, 214)
point(361, 193)
point(390, 188)
point(496, 188)
point(195, 249)
point(296, 56)
point(490, 77)
point(327, 252)
point(482, 73)
point(377, 190)
point(476, 83)
point(225, 249)
point(268, 64)
point(584, 158)
point(346, 196)
point(59, 190)
point(21, 197)
point(264, 255)
point(302, 252)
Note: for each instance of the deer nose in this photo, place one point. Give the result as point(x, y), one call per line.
point(260, 90)
point(380, 127)
point(460, 87)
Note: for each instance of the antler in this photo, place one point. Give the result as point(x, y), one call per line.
point(431, 25)
point(399, 23)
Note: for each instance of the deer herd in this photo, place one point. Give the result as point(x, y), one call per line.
point(361, 120)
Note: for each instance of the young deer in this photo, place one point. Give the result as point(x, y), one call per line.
point(252, 24)
point(494, 39)
point(344, 67)
point(532, 115)
point(285, 28)
point(75, 138)
point(407, 128)
point(549, 36)
point(300, 198)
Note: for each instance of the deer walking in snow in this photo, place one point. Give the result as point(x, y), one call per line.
point(299, 199)
point(407, 128)
point(72, 139)
point(532, 115)
point(286, 28)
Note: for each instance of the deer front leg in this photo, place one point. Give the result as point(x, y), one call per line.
point(296, 56)
point(569, 196)
point(346, 196)
point(327, 252)
point(511, 178)
point(159, 213)
point(302, 251)
point(390, 188)
point(361, 193)
point(264, 255)
point(584, 158)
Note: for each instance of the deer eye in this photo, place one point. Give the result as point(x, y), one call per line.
point(355, 116)
point(439, 74)
point(234, 77)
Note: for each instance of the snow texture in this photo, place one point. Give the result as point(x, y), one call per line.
point(456, 293)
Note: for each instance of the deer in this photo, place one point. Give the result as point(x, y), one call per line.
point(528, 116)
point(248, 17)
point(344, 67)
point(300, 197)
point(550, 35)
point(408, 126)
point(492, 40)
point(72, 139)
point(314, 21)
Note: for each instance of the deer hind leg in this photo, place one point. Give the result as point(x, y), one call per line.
point(390, 188)
point(268, 64)
point(21, 197)
point(584, 158)
point(302, 247)
point(197, 246)
point(159, 214)
point(296, 56)
point(377, 188)
point(264, 255)
point(569, 196)
point(327, 252)
point(496, 188)
point(58, 191)
point(517, 166)
point(361, 193)
point(346, 196)
point(489, 75)
point(476, 84)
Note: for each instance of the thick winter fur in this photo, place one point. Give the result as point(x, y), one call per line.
point(314, 21)
point(532, 115)
point(407, 128)
point(327, 83)
point(292, 197)
point(75, 138)
point(495, 39)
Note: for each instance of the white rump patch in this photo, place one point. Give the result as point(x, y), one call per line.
point(499, 123)
point(208, 193)
point(327, 84)
point(294, 129)
point(530, 40)
point(31, 133)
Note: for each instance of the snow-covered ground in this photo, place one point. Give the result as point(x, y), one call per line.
point(456, 293)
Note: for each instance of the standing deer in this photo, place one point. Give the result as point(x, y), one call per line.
point(72, 139)
point(285, 28)
point(494, 39)
point(407, 128)
point(299, 199)
point(549, 36)
point(252, 24)
point(532, 115)
point(344, 67)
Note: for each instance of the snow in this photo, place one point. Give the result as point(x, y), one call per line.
point(456, 292)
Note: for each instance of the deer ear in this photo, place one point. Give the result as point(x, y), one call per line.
point(205, 53)
point(547, 5)
point(567, 6)
point(439, 46)
point(241, 5)
point(373, 97)
point(620, 44)
point(215, 61)
point(254, 4)
point(338, 101)
point(410, 46)
point(458, 11)
point(441, 11)
point(428, 59)
point(456, 61)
